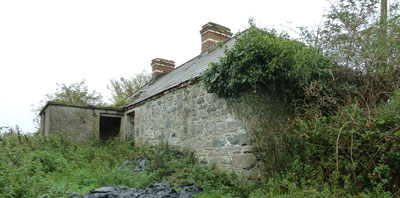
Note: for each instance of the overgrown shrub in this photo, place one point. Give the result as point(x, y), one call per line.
point(354, 149)
point(329, 126)
point(262, 60)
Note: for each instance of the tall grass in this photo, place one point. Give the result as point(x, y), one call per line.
point(39, 166)
point(36, 166)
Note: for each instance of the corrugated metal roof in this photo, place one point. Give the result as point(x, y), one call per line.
point(181, 74)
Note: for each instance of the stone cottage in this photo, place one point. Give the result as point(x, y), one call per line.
point(175, 108)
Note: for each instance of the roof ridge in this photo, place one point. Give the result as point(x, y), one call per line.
point(178, 75)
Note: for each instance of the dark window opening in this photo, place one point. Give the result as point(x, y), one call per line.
point(109, 127)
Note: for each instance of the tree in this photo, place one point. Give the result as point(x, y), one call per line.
point(76, 93)
point(122, 88)
point(365, 43)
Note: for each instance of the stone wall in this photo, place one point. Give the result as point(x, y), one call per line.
point(193, 119)
point(80, 122)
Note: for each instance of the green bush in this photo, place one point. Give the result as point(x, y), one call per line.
point(355, 149)
point(263, 60)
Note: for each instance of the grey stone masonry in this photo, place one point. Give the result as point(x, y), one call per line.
point(193, 119)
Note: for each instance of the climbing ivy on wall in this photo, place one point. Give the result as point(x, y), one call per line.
point(262, 60)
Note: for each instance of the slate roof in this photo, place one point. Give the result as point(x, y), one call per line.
point(181, 74)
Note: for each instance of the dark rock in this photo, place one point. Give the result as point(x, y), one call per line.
point(140, 164)
point(179, 107)
point(200, 100)
point(221, 126)
point(111, 192)
point(237, 139)
point(170, 109)
point(191, 189)
point(211, 108)
point(168, 123)
point(210, 126)
point(234, 140)
point(203, 107)
point(198, 129)
point(217, 143)
point(232, 125)
point(156, 190)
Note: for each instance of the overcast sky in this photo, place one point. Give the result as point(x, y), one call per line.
point(47, 42)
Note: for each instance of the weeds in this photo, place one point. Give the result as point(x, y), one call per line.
point(54, 166)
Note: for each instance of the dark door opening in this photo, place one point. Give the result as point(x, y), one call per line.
point(109, 127)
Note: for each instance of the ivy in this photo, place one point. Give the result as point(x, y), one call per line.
point(262, 60)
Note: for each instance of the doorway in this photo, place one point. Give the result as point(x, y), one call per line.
point(109, 127)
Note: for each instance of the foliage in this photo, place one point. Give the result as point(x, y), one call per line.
point(40, 166)
point(75, 93)
point(330, 126)
point(123, 88)
point(262, 60)
point(353, 149)
point(263, 75)
point(35, 166)
point(356, 147)
point(354, 37)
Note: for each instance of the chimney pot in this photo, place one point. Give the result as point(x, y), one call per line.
point(161, 66)
point(211, 34)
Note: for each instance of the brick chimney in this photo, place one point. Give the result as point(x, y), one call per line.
point(161, 66)
point(211, 34)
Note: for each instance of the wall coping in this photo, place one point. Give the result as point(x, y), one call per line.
point(119, 110)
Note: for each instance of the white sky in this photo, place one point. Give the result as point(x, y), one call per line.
point(47, 42)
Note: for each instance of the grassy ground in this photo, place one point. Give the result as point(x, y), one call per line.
point(31, 166)
point(35, 166)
